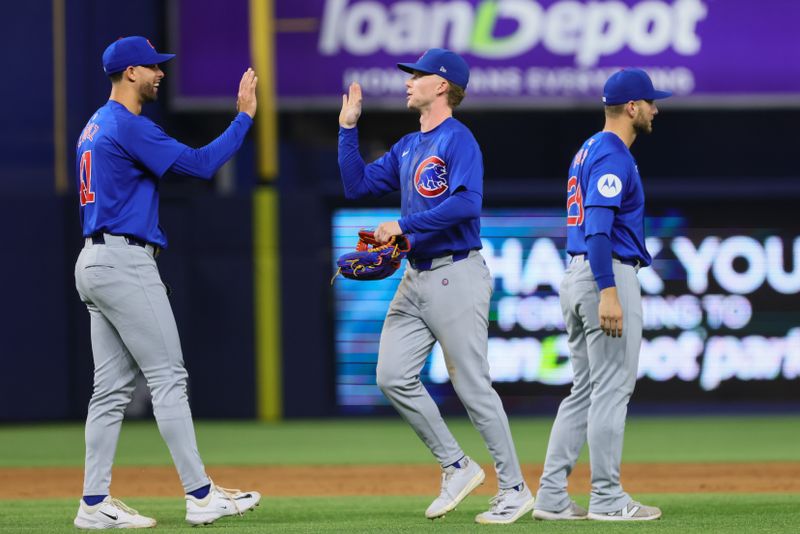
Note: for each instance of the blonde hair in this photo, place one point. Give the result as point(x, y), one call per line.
point(455, 95)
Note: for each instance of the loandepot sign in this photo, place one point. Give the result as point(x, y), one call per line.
point(521, 52)
point(507, 29)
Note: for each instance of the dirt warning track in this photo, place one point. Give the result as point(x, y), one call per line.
point(302, 481)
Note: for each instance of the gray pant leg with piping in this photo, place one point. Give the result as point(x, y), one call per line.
point(605, 371)
point(133, 328)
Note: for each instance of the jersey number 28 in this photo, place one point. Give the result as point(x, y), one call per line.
point(87, 195)
point(574, 202)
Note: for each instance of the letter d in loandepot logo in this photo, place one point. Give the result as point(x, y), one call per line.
point(504, 29)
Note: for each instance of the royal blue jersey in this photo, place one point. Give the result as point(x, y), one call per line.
point(120, 159)
point(427, 168)
point(604, 174)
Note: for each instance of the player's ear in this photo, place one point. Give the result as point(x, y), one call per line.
point(630, 108)
point(443, 86)
point(130, 74)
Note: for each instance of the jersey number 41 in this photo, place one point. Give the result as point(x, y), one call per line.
point(87, 195)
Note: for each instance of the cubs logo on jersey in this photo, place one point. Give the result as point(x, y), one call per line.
point(430, 180)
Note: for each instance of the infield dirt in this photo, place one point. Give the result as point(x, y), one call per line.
point(301, 481)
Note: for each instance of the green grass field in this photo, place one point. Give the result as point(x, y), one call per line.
point(382, 441)
point(684, 514)
point(389, 441)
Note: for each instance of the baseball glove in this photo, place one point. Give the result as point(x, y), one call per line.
point(372, 260)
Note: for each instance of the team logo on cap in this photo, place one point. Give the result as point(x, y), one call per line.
point(151, 44)
point(609, 185)
point(430, 180)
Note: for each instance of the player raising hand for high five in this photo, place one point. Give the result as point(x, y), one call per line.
point(121, 158)
point(445, 292)
point(351, 107)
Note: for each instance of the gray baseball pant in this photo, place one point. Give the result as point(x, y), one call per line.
point(448, 303)
point(132, 328)
point(605, 375)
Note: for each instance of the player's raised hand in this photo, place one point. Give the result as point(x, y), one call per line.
point(246, 98)
point(610, 312)
point(351, 107)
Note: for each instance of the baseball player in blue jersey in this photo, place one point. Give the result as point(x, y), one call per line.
point(444, 295)
point(121, 156)
point(600, 291)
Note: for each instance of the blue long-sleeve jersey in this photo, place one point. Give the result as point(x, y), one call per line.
point(604, 175)
point(440, 176)
point(120, 159)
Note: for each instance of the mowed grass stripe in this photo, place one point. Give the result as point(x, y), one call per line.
point(391, 441)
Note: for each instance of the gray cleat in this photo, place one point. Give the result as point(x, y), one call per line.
point(507, 506)
point(457, 483)
point(633, 511)
point(573, 512)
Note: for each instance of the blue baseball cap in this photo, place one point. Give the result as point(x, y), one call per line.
point(443, 62)
point(630, 84)
point(130, 52)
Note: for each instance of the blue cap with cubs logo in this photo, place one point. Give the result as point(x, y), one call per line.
point(130, 52)
point(443, 62)
point(630, 84)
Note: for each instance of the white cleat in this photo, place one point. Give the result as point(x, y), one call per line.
point(507, 506)
point(219, 502)
point(457, 483)
point(633, 511)
point(573, 512)
point(110, 513)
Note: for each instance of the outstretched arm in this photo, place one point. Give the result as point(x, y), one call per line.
point(359, 179)
point(205, 162)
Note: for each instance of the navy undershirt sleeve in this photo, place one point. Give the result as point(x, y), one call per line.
point(459, 207)
point(599, 248)
point(598, 245)
point(205, 162)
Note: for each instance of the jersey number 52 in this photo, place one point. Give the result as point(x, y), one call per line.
point(574, 202)
point(87, 195)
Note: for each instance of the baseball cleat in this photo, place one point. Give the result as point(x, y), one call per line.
point(633, 511)
point(507, 506)
point(457, 483)
point(573, 512)
point(110, 513)
point(219, 502)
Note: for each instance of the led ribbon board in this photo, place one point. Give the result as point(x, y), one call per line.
point(719, 308)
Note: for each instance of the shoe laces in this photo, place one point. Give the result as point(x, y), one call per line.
point(447, 474)
point(498, 501)
point(122, 506)
point(228, 494)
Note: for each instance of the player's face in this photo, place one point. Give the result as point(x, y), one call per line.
point(646, 111)
point(422, 89)
point(150, 78)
